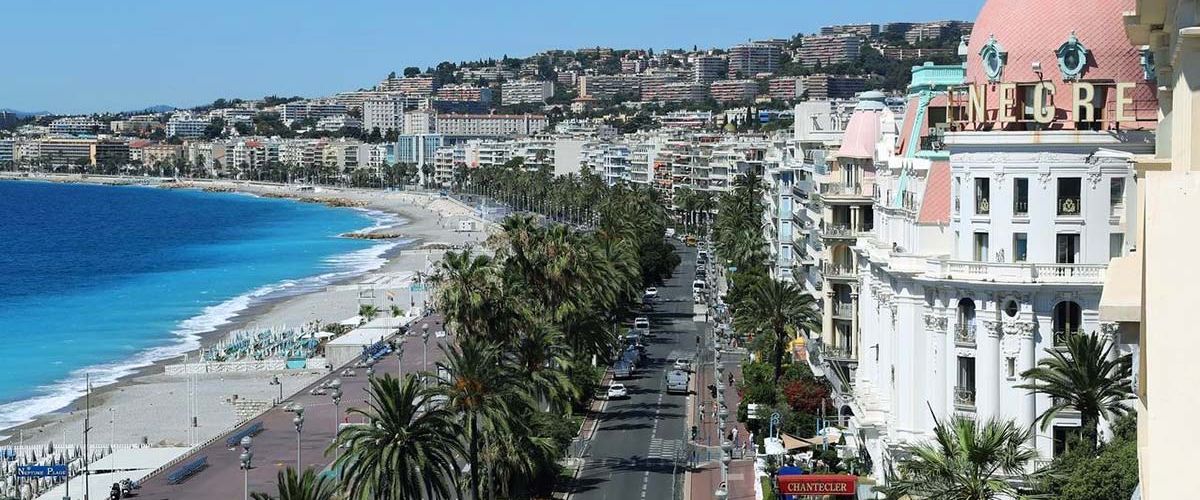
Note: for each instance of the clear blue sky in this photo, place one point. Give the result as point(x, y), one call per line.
point(77, 56)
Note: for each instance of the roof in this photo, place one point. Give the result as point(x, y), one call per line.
point(906, 128)
point(861, 135)
point(935, 204)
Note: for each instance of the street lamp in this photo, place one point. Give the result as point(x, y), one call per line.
point(298, 422)
point(336, 393)
point(400, 358)
point(424, 348)
point(275, 381)
point(370, 371)
point(245, 464)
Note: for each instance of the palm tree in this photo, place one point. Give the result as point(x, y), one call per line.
point(965, 461)
point(1083, 377)
point(410, 449)
point(780, 309)
point(367, 312)
point(485, 389)
point(466, 285)
point(308, 486)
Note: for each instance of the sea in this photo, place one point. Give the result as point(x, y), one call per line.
point(99, 281)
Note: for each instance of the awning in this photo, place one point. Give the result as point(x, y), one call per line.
point(794, 443)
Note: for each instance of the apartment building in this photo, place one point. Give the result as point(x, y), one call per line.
point(463, 93)
point(415, 86)
point(829, 49)
point(336, 123)
point(7, 147)
point(609, 86)
point(733, 90)
point(486, 73)
point(686, 119)
point(861, 30)
point(526, 92)
point(749, 59)
point(708, 68)
point(385, 113)
point(140, 124)
point(464, 125)
point(823, 87)
point(652, 82)
point(76, 125)
point(786, 88)
point(632, 66)
point(185, 125)
point(303, 110)
point(419, 122)
point(911, 53)
point(682, 92)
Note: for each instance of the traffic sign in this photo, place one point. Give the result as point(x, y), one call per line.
point(41, 471)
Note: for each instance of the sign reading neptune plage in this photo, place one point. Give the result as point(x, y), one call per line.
point(1013, 102)
point(41, 471)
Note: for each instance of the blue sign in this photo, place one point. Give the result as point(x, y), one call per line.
point(416, 287)
point(41, 471)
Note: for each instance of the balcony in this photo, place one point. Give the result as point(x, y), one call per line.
point(843, 309)
point(836, 353)
point(1018, 272)
point(964, 398)
point(837, 271)
point(843, 231)
point(964, 334)
point(1061, 336)
point(840, 189)
point(1068, 206)
point(983, 206)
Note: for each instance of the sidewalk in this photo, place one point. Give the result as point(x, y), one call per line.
point(706, 478)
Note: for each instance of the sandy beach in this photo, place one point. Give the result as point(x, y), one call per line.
point(151, 407)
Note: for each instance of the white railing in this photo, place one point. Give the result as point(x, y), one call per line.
point(833, 270)
point(964, 334)
point(844, 309)
point(1019, 272)
point(964, 397)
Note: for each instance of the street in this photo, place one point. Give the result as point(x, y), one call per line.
point(275, 447)
point(639, 448)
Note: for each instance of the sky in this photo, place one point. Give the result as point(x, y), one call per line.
point(86, 56)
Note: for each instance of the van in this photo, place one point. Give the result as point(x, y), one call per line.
point(677, 382)
point(641, 323)
point(699, 287)
point(622, 370)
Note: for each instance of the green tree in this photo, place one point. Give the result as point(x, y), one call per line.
point(409, 450)
point(1083, 377)
point(368, 312)
point(778, 309)
point(308, 486)
point(411, 71)
point(965, 461)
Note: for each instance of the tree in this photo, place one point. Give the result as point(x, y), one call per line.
point(411, 71)
point(1109, 474)
point(779, 309)
point(368, 312)
point(308, 486)
point(410, 449)
point(1082, 377)
point(965, 461)
point(483, 387)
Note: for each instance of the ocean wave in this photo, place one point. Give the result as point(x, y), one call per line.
point(59, 395)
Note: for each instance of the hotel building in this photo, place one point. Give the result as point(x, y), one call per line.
point(968, 237)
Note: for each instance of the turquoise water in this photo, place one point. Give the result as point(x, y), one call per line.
point(103, 280)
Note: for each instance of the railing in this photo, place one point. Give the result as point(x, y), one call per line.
point(964, 334)
point(837, 271)
point(842, 189)
point(1068, 206)
point(836, 353)
point(964, 397)
point(844, 231)
point(843, 309)
point(1021, 207)
point(983, 206)
point(1061, 336)
point(1019, 272)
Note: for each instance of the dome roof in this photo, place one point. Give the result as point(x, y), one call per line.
point(1031, 31)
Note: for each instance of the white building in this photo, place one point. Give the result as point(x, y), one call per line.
point(959, 251)
point(465, 125)
point(336, 123)
point(383, 113)
point(526, 91)
point(301, 110)
point(185, 125)
point(75, 125)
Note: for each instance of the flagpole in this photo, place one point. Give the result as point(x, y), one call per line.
point(87, 426)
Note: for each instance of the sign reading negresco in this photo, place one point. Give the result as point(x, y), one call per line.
point(818, 484)
point(41, 471)
point(1012, 102)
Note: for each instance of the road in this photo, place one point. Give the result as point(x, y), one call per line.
point(633, 452)
point(275, 447)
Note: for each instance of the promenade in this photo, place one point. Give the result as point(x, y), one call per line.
point(274, 448)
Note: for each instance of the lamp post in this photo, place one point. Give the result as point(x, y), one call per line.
point(424, 348)
point(336, 394)
point(370, 372)
point(400, 358)
point(275, 381)
point(298, 422)
point(245, 464)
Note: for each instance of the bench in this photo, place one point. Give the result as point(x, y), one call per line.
point(187, 470)
point(236, 438)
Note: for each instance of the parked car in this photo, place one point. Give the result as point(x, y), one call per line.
point(677, 382)
point(652, 293)
point(683, 364)
point(617, 391)
point(641, 323)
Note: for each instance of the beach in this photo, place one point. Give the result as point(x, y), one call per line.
point(151, 407)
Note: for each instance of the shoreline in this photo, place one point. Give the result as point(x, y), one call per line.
point(422, 220)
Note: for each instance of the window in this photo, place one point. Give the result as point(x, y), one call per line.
point(981, 247)
point(1011, 367)
point(1116, 196)
point(1068, 196)
point(983, 203)
point(1067, 251)
point(964, 392)
point(1020, 247)
point(1064, 438)
point(957, 190)
point(1011, 308)
point(1021, 196)
point(1116, 245)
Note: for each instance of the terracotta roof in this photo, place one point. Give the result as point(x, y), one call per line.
point(935, 205)
point(861, 135)
point(1026, 38)
point(139, 143)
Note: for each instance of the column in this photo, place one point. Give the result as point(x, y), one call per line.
point(853, 347)
point(827, 332)
point(987, 369)
point(854, 218)
point(1025, 361)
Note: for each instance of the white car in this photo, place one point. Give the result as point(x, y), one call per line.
point(682, 364)
point(641, 323)
point(652, 292)
point(617, 391)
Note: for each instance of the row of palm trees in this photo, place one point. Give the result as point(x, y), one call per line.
point(533, 317)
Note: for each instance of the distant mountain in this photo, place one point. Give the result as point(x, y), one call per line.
point(23, 114)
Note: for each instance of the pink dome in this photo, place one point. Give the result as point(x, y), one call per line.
point(1030, 31)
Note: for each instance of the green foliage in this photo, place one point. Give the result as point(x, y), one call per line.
point(307, 486)
point(966, 460)
point(1109, 473)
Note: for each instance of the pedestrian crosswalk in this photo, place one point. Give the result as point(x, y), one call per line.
point(665, 449)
